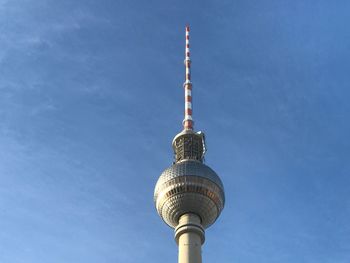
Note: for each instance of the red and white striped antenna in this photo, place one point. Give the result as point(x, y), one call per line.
point(188, 121)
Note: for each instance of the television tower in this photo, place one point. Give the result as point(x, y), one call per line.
point(189, 196)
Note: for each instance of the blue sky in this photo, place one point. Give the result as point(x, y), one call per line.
point(91, 97)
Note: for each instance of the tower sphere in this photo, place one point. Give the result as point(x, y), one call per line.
point(189, 186)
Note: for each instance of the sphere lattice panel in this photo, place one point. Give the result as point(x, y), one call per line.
point(189, 187)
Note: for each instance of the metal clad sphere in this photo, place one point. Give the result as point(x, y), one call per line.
point(189, 186)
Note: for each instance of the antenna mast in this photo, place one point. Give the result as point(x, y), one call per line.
point(188, 121)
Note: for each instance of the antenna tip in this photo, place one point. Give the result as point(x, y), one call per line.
point(188, 28)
